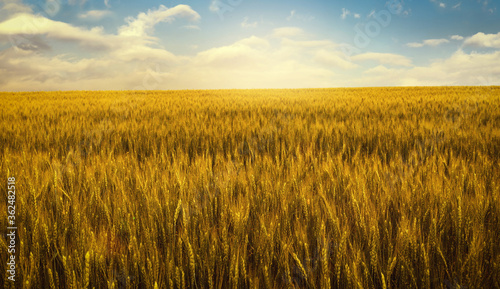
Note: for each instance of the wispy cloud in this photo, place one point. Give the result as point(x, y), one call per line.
point(439, 3)
point(94, 14)
point(144, 23)
point(457, 37)
point(246, 24)
point(294, 15)
point(346, 12)
point(428, 42)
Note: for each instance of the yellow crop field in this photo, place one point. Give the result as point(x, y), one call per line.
point(304, 188)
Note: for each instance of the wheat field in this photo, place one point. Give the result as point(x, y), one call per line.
point(313, 188)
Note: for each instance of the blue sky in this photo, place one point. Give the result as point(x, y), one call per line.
point(124, 44)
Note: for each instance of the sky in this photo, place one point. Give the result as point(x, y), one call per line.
point(51, 45)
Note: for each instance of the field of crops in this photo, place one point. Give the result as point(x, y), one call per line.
point(313, 188)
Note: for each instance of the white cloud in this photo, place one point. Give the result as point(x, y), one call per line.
point(111, 63)
point(383, 58)
point(12, 7)
point(440, 4)
point(253, 63)
point(246, 24)
point(131, 44)
point(32, 71)
point(459, 69)
point(334, 59)
point(457, 6)
point(457, 37)
point(428, 42)
point(141, 52)
point(380, 69)
point(106, 3)
point(27, 24)
point(309, 43)
point(287, 32)
point(120, 47)
point(145, 22)
point(244, 53)
point(94, 14)
point(484, 40)
point(254, 42)
point(357, 16)
point(435, 42)
point(249, 63)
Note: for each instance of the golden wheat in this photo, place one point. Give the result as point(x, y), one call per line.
point(307, 188)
